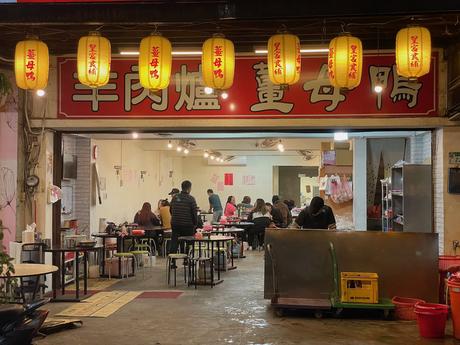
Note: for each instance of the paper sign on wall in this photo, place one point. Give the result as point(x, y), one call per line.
point(249, 180)
point(228, 179)
point(214, 178)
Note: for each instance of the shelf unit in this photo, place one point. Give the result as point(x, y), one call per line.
point(70, 267)
point(411, 198)
point(386, 205)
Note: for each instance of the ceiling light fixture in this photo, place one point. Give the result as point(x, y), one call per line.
point(179, 148)
point(280, 147)
point(212, 157)
point(135, 135)
point(133, 52)
point(302, 51)
point(340, 136)
point(170, 145)
point(129, 52)
point(186, 151)
point(206, 155)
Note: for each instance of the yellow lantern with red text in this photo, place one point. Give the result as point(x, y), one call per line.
point(93, 60)
point(413, 52)
point(31, 64)
point(155, 61)
point(284, 60)
point(345, 61)
point(218, 62)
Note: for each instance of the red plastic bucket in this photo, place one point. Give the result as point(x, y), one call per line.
point(405, 307)
point(431, 319)
point(454, 294)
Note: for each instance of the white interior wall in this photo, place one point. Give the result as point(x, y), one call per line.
point(165, 170)
point(204, 176)
point(124, 195)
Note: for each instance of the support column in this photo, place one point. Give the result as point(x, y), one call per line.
point(360, 184)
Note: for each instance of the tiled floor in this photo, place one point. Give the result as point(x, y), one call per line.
point(233, 312)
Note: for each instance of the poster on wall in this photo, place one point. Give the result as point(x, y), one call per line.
point(252, 94)
point(228, 179)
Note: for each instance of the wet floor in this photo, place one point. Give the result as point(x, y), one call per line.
point(233, 312)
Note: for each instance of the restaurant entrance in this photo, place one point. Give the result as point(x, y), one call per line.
point(107, 177)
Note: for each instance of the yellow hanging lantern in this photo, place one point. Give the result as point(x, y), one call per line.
point(218, 62)
point(155, 60)
point(345, 61)
point(31, 64)
point(93, 60)
point(413, 52)
point(284, 60)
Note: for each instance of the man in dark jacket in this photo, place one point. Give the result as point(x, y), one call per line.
point(184, 215)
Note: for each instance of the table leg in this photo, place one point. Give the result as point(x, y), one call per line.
point(231, 250)
point(212, 263)
point(36, 287)
point(103, 256)
point(218, 260)
point(85, 273)
point(21, 290)
point(55, 275)
point(63, 273)
point(77, 277)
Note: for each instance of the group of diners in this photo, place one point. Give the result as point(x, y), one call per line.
point(181, 215)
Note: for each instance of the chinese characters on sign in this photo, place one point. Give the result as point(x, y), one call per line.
point(217, 64)
point(322, 90)
point(269, 95)
point(191, 92)
point(92, 55)
point(414, 48)
point(401, 90)
point(155, 54)
point(253, 95)
point(31, 57)
point(277, 69)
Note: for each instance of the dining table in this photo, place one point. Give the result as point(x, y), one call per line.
point(22, 271)
point(211, 242)
point(120, 242)
point(237, 233)
point(59, 256)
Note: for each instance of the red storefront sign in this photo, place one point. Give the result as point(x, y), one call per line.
point(252, 94)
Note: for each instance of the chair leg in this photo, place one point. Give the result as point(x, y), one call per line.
point(185, 271)
point(175, 273)
point(168, 269)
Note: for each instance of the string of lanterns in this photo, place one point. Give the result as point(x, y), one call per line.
point(345, 60)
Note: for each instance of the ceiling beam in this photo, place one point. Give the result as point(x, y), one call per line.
point(158, 12)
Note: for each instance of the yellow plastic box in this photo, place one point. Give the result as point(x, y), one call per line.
point(359, 287)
